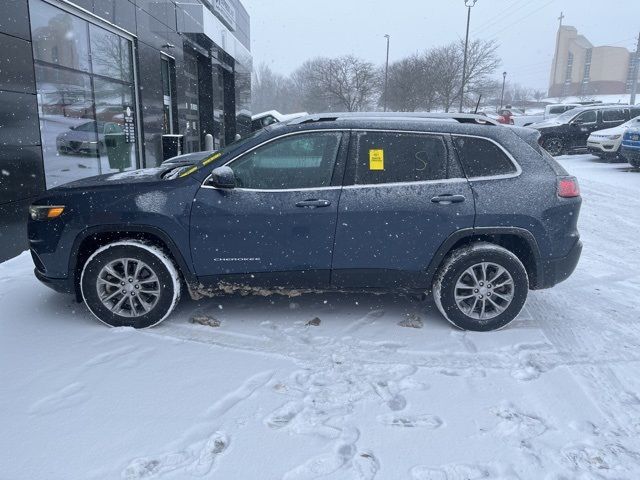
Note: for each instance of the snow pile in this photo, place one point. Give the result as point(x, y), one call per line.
point(269, 393)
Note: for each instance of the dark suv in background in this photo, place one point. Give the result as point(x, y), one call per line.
point(476, 213)
point(569, 131)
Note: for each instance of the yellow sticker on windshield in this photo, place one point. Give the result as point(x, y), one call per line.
point(376, 159)
point(212, 158)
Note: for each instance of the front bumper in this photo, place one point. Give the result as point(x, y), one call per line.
point(60, 285)
point(600, 148)
point(557, 270)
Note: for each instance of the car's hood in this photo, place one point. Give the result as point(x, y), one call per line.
point(545, 124)
point(610, 131)
point(130, 177)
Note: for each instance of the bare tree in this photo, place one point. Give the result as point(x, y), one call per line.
point(272, 91)
point(406, 86)
point(446, 65)
point(482, 61)
point(343, 83)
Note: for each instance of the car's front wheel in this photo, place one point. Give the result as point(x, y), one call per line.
point(130, 284)
point(553, 145)
point(481, 287)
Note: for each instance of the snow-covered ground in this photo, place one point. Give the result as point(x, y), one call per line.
point(555, 396)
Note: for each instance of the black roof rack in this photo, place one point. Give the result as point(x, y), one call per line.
point(451, 117)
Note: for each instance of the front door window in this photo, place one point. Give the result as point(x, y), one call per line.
point(294, 162)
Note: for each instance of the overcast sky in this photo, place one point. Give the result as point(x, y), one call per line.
point(287, 32)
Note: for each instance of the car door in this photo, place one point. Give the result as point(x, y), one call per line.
point(277, 226)
point(406, 196)
point(582, 126)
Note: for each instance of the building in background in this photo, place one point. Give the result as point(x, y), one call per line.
point(580, 69)
point(97, 86)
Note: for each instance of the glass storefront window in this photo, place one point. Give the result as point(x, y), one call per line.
point(110, 54)
point(85, 92)
point(67, 125)
point(59, 37)
point(111, 102)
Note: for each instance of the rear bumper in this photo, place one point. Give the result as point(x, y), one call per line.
point(61, 285)
point(559, 269)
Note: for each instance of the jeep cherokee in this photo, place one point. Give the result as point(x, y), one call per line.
point(476, 213)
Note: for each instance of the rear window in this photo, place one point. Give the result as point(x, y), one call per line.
point(387, 157)
point(483, 158)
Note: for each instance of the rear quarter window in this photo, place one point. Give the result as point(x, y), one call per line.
point(483, 158)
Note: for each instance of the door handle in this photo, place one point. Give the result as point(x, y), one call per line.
point(313, 203)
point(448, 199)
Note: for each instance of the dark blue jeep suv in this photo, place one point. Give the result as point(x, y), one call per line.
point(476, 213)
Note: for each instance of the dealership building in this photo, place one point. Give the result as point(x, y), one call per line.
point(98, 86)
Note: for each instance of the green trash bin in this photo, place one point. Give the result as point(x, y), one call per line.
point(118, 150)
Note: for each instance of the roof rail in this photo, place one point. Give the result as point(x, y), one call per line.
point(456, 117)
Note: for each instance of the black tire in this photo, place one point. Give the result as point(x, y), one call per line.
point(156, 261)
point(553, 145)
point(633, 161)
point(453, 269)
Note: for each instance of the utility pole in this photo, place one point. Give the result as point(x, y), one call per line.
point(468, 4)
point(634, 75)
point(386, 72)
point(504, 79)
point(555, 64)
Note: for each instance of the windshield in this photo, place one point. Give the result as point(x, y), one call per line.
point(568, 115)
point(197, 161)
point(634, 122)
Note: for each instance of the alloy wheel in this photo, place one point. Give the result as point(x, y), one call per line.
point(128, 287)
point(484, 290)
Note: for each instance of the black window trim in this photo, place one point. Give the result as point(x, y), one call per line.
point(353, 158)
point(517, 173)
point(341, 152)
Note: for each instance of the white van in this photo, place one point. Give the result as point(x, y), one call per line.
point(556, 109)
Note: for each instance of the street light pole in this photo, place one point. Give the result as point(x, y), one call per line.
point(386, 72)
point(468, 4)
point(634, 74)
point(504, 78)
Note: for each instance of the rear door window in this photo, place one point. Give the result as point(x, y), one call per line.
point(614, 115)
point(481, 157)
point(389, 157)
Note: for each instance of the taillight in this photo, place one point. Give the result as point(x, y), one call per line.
point(568, 187)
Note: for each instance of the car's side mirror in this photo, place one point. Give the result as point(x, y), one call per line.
point(223, 177)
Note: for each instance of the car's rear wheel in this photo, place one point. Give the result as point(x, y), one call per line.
point(481, 287)
point(130, 284)
point(553, 145)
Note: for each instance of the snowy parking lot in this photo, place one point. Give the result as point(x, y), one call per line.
point(337, 386)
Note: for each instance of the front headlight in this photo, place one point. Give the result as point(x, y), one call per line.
point(45, 212)
point(614, 137)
